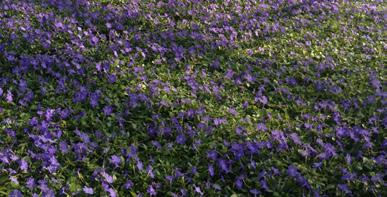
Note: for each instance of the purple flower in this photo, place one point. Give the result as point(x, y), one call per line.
point(48, 193)
point(224, 165)
point(30, 183)
point(229, 74)
point(107, 177)
point(49, 114)
point(375, 82)
point(106, 187)
point(344, 188)
point(295, 138)
point(279, 137)
point(128, 185)
point(112, 192)
point(348, 176)
point(156, 144)
point(303, 182)
point(65, 113)
point(378, 177)
point(94, 97)
point(180, 139)
point(237, 149)
point(43, 185)
point(254, 192)
point(348, 159)
point(149, 171)
point(261, 99)
point(212, 154)
point(112, 78)
point(233, 111)
point(94, 40)
point(53, 164)
point(23, 165)
point(63, 146)
point(239, 130)
point(335, 90)
point(59, 25)
point(239, 183)
point(198, 190)
point(80, 95)
point(211, 170)
point(140, 166)
point(10, 132)
point(264, 185)
point(98, 66)
point(253, 147)
point(169, 178)
point(219, 121)
point(317, 165)
point(261, 127)
point(9, 96)
point(15, 193)
point(292, 171)
point(85, 138)
point(329, 151)
point(115, 160)
point(151, 191)
point(88, 190)
point(107, 110)
point(194, 170)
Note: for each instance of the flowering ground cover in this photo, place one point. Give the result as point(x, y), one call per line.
point(193, 98)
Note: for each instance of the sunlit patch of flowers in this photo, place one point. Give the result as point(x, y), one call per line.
point(192, 98)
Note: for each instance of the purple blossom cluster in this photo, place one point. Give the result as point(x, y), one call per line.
point(192, 98)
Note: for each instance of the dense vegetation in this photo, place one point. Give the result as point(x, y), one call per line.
point(191, 97)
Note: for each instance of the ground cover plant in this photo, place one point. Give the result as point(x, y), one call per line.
point(193, 98)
